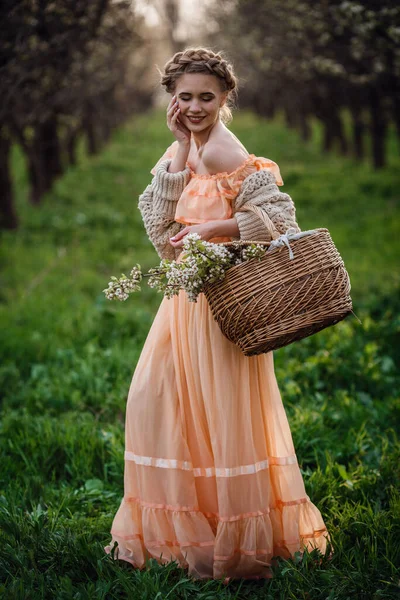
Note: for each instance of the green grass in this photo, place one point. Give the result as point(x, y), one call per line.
point(67, 357)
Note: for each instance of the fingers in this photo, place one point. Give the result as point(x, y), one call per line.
point(172, 106)
point(172, 116)
point(172, 109)
point(172, 101)
point(176, 244)
point(176, 115)
point(174, 123)
point(180, 234)
point(177, 240)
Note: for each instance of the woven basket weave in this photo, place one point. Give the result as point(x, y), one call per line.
point(265, 304)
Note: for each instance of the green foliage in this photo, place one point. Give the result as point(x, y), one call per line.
point(67, 356)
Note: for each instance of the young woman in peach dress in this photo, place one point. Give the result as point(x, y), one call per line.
point(211, 478)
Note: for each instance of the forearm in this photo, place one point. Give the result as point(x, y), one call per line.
point(159, 226)
point(224, 228)
point(178, 162)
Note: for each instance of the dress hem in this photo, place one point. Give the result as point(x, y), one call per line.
point(227, 552)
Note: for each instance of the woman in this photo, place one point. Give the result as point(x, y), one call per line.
point(211, 475)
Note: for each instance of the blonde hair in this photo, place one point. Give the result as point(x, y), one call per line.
point(203, 60)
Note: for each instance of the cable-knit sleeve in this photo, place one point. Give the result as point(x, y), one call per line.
point(157, 205)
point(260, 189)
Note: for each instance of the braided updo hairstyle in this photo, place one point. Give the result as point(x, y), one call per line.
point(203, 60)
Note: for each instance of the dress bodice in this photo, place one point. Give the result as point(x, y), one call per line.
point(209, 197)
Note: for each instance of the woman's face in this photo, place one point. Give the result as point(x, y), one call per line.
point(200, 98)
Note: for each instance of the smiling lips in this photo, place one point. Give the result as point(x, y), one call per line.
point(195, 119)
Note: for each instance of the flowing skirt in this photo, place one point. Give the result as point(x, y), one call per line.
point(211, 476)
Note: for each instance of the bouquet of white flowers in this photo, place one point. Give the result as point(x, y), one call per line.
point(202, 262)
point(263, 304)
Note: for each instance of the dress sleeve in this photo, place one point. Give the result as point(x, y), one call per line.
point(270, 165)
point(157, 205)
point(159, 225)
point(259, 163)
point(169, 153)
point(230, 183)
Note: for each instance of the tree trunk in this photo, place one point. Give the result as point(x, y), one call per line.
point(337, 126)
point(396, 115)
point(305, 129)
point(378, 129)
point(105, 130)
point(8, 215)
point(358, 134)
point(171, 21)
point(51, 148)
point(44, 159)
point(329, 136)
point(290, 118)
point(38, 177)
point(70, 146)
point(91, 137)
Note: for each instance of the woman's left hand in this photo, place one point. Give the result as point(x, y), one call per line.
point(205, 230)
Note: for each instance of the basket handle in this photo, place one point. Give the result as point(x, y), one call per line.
point(272, 230)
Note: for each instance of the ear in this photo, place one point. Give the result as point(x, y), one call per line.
point(223, 99)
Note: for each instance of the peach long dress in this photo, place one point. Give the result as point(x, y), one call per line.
point(211, 475)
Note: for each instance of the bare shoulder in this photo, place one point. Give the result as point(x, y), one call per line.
point(219, 158)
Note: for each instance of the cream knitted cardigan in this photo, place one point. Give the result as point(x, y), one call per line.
point(158, 202)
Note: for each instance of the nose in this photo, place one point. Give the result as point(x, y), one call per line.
point(195, 107)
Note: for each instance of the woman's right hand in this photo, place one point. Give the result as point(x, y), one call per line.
point(180, 131)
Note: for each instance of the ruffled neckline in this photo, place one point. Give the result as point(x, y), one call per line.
point(224, 179)
point(222, 174)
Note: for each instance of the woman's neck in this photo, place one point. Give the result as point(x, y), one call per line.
point(201, 138)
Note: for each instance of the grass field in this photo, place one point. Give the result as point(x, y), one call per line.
point(67, 357)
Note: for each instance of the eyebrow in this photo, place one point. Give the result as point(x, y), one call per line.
point(201, 94)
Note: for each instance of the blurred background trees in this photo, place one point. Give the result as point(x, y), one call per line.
point(335, 60)
point(73, 70)
point(70, 69)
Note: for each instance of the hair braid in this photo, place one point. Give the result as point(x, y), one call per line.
point(202, 60)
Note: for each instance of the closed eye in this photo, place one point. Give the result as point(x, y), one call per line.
point(187, 99)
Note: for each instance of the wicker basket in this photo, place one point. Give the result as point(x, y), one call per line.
point(262, 305)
